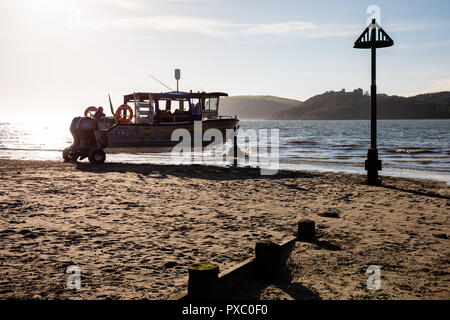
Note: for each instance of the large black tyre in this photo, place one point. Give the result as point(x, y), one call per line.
point(97, 156)
point(69, 155)
point(65, 154)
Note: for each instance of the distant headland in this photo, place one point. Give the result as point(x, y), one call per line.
point(339, 105)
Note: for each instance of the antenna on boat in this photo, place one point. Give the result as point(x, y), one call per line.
point(160, 82)
point(110, 104)
point(177, 76)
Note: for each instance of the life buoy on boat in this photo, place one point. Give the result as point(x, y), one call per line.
point(127, 108)
point(90, 111)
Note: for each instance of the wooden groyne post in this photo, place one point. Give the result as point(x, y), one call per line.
point(267, 261)
point(206, 283)
point(306, 230)
point(203, 281)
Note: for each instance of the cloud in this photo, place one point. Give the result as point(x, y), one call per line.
point(413, 26)
point(435, 85)
point(332, 30)
point(435, 44)
point(140, 4)
point(177, 23)
point(16, 50)
point(438, 85)
point(125, 4)
point(186, 1)
point(278, 28)
point(219, 28)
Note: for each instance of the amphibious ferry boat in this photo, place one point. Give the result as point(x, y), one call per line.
point(148, 125)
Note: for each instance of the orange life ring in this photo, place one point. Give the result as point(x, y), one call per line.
point(90, 111)
point(124, 107)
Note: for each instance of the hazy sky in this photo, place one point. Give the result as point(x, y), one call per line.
point(59, 56)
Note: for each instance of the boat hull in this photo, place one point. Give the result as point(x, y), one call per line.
point(159, 136)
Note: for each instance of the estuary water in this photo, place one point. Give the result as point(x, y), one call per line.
point(408, 148)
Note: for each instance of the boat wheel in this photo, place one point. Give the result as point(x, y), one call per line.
point(97, 156)
point(68, 155)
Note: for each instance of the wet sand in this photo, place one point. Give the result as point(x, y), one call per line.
point(133, 229)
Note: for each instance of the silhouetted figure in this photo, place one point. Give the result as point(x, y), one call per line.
point(99, 114)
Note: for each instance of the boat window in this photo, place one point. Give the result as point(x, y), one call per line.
point(146, 104)
point(162, 104)
point(196, 106)
point(174, 106)
point(211, 104)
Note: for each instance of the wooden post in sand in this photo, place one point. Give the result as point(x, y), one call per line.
point(306, 230)
point(267, 260)
point(203, 281)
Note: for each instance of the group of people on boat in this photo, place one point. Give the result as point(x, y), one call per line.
point(178, 112)
point(160, 107)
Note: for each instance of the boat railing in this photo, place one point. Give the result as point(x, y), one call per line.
point(174, 118)
point(227, 117)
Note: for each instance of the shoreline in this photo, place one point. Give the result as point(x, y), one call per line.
point(311, 166)
point(135, 228)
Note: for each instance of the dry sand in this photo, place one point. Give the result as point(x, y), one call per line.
point(134, 229)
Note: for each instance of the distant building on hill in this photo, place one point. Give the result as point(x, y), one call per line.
point(358, 91)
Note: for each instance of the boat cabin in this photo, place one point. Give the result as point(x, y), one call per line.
point(174, 107)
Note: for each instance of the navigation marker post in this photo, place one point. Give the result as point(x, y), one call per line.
point(373, 37)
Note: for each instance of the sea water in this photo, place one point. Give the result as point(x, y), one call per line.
point(408, 148)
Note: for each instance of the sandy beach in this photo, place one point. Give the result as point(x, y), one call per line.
point(133, 229)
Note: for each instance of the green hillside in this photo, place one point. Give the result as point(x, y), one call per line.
point(255, 107)
point(355, 105)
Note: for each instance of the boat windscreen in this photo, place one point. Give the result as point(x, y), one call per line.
point(211, 104)
point(174, 106)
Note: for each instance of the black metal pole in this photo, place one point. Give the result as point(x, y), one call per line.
point(373, 104)
point(235, 148)
point(372, 163)
point(368, 40)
